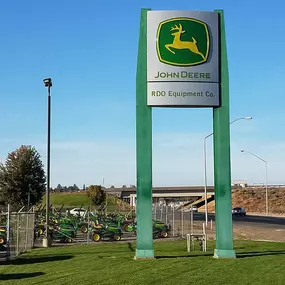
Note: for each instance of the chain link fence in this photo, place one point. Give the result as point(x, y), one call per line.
point(182, 221)
point(16, 233)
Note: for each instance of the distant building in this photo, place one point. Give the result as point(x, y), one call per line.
point(240, 183)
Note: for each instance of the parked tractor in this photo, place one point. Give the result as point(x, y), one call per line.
point(106, 231)
point(160, 229)
point(3, 236)
point(63, 233)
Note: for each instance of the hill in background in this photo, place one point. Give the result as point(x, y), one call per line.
point(253, 200)
point(78, 199)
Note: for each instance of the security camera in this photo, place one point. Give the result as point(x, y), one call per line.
point(47, 82)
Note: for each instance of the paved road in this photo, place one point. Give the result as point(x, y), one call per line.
point(264, 220)
point(260, 221)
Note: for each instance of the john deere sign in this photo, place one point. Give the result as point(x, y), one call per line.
point(183, 42)
point(183, 58)
point(182, 62)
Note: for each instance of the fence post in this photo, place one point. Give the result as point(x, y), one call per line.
point(205, 236)
point(88, 221)
point(182, 224)
point(192, 220)
point(17, 235)
point(27, 229)
point(8, 230)
point(32, 228)
point(173, 221)
point(188, 242)
point(8, 223)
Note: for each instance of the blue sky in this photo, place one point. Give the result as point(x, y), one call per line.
point(89, 48)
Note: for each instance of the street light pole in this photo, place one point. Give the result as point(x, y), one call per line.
point(205, 167)
point(266, 183)
point(48, 83)
point(205, 179)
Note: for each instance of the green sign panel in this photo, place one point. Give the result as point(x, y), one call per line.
point(183, 42)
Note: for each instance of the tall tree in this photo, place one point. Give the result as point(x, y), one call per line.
point(96, 194)
point(59, 187)
point(22, 178)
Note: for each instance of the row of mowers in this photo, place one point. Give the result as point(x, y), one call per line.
point(61, 228)
point(64, 227)
point(114, 224)
point(159, 229)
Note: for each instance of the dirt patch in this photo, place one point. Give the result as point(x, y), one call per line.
point(275, 233)
point(246, 231)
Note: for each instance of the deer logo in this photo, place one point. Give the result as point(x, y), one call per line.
point(183, 42)
point(178, 44)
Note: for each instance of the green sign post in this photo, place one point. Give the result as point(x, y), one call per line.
point(222, 159)
point(182, 62)
point(144, 150)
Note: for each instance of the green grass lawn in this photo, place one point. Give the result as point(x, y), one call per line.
point(256, 263)
point(71, 200)
point(66, 199)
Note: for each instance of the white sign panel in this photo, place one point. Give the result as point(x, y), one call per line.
point(183, 94)
point(183, 56)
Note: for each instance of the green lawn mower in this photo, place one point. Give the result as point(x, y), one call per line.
point(130, 228)
point(39, 230)
point(160, 229)
point(3, 236)
point(102, 232)
point(63, 233)
point(83, 226)
point(93, 221)
point(66, 225)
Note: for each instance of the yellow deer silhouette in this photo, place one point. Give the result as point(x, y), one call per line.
point(178, 44)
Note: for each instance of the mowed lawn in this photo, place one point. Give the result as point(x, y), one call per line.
point(112, 263)
point(68, 199)
point(71, 200)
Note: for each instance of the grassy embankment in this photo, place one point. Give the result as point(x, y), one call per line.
point(109, 263)
point(71, 200)
point(253, 200)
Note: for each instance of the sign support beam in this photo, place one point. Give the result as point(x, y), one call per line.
point(144, 248)
point(222, 159)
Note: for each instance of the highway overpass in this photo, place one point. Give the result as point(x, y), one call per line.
point(129, 194)
point(184, 191)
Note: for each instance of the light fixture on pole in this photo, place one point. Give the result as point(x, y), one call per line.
point(205, 166)
point(266, 188)
point(46, 241)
